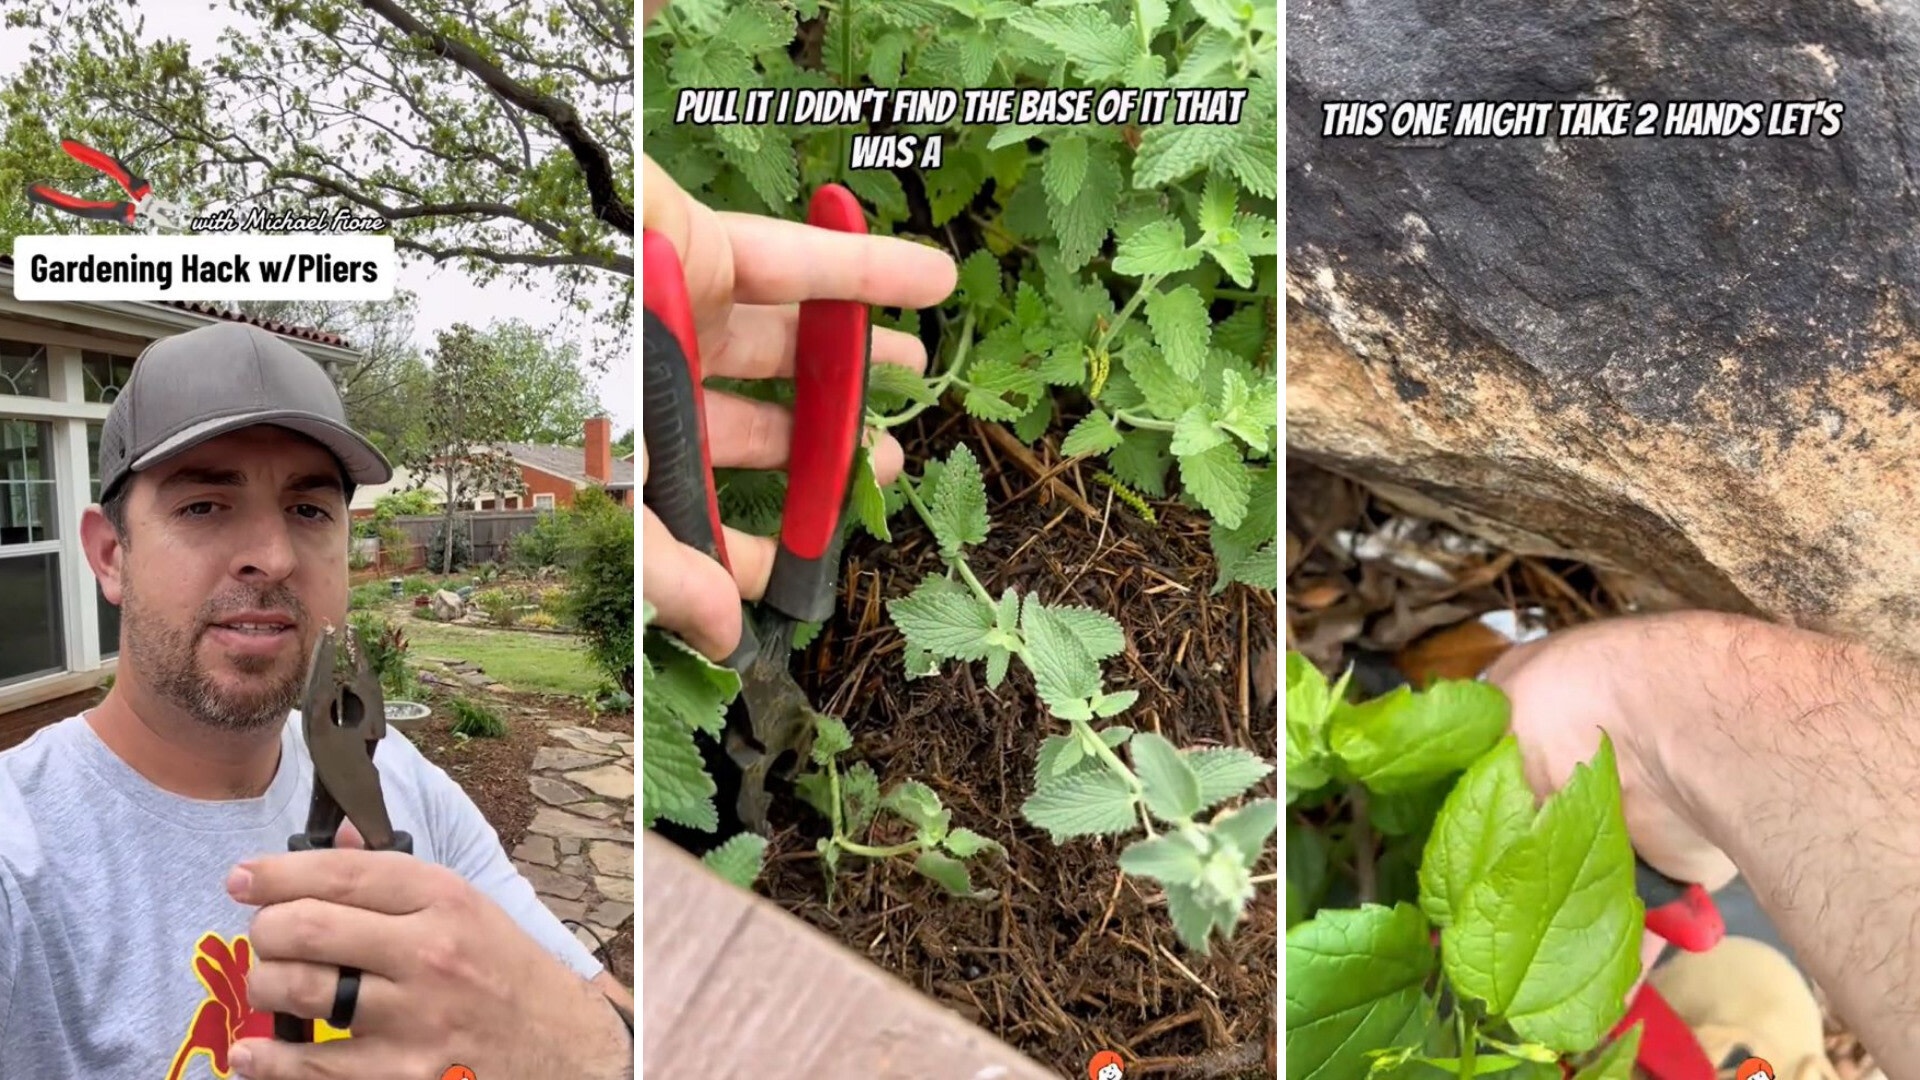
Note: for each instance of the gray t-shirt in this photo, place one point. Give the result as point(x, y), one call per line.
point(121, 954)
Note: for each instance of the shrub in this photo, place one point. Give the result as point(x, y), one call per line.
point(462, 548)
point(501, 606)
point(364, 597)
point(539, 620)
point(403, 503)
point(599, 557)
point(419, 586)
point(476, 721)
point(543, 544)
point(386, 649)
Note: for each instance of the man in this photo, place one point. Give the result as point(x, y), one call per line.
point(1786, 755)
point(151, 921)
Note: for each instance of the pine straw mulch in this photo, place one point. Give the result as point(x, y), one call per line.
point(1071, 957)
point(1399, 597)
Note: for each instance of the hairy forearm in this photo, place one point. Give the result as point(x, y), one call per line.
point(1799, 757)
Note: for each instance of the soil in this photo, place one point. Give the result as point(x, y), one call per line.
point(1071, 957)
point(494, 772)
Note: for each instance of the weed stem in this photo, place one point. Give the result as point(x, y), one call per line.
point(1144, 423)
point(939, 385)
point(1147, 285)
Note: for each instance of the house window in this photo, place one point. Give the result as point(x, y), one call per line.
point(543, 502)
point(26, 483)
point(31, 643)
point(23, 369)
point(104, 374)
point(513, 502)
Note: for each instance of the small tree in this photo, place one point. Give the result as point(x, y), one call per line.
point(467, 416)
point(599, 556)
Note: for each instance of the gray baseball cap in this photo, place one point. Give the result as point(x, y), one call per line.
point(222, 377)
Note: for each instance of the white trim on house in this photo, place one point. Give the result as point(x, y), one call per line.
point(543, 500)
point(66, 330)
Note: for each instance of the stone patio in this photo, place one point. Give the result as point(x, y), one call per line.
point(579, 850)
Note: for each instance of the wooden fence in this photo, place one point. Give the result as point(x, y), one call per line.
point(492, 533)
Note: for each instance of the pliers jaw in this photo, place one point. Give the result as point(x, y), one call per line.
point(345, 719)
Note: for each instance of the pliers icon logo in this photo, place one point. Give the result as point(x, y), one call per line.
point(141, 206)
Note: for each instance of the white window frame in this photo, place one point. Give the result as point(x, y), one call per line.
point(543, 501)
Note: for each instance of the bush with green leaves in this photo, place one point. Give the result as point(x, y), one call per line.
point(1117, 304)
point(475, 720)
point(386, 647)
point(599, 560)
point(1440, 922)
point(462, 548)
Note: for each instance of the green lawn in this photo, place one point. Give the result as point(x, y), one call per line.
point(544, 663)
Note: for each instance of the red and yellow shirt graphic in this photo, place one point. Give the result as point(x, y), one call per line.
point(226, 1016)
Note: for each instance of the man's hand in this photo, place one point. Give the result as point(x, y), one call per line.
point(447, 977)
point(746, 276)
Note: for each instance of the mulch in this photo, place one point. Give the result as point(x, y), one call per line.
point(495, 772)
point(1071, 957)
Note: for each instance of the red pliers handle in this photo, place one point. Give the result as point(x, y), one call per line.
point(124, 211)
point(1683, 914)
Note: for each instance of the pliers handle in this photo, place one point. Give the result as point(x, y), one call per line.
point(125, 211)
point(344, 716)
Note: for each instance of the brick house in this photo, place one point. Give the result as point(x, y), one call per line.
point(550, 476)
point(61, 365)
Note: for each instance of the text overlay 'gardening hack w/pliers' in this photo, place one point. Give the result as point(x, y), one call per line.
point(770, 727)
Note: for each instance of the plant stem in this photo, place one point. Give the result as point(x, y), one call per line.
point(1140, 20)
point(888, 852)
point(940, 384)
point(1144, 423)
point(1147, 285)
point(1466, 1033)
point(1362, 847)
point(846, 75)
point(1107, 755)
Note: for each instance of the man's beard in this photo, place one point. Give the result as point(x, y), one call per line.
point(169, 662)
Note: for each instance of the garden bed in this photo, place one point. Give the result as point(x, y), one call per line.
point(1071, 957)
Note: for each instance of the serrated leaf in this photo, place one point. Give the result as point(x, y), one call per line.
point(859, 798)
point(1065, 364)
point(830, 739)
point(1057, 654)
point(965, 844)
point(1356, 981)
point(919, 806)
point(868, 504)
point(1195, 913)
point(1098, 633)
point(1246, 412)
point(1159, 247)
point(1219, 481)
point(804, 633)
point(1080, 224)
point(885, 56)
point(1001, 372)
point(958, 503)
point(1310, 704)
point(674, 784)
point(1084, 36)
point(1487, 810)
point(1168, 393)
point(1181, 329)
point(1110, 705)
point(943, 618)
point(987, 405)
point(1059, 755)
point(1219, 201)
point(1169, 153)
point(1225, 772)
point(1094, 434)
point(1228, 15)
point(979, 286)
point(739, 860)
point(1152, 15)
point(815, 789)
point(1141, 461)
point(1549, 936)
point(945, 871)
point(771, 170)
point(1065, 170)
point(1171, 789)
point(1170, 858)
point(1234, 260)
point(1195, 433)
point(1256, 234)
point(895, 380)
point(1248, 828)
point(1091, 802)
point(1405, 740)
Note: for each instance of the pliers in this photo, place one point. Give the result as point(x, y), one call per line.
point(1684, 915)
point(345, 717)
point(770, 728)
point(140, 206)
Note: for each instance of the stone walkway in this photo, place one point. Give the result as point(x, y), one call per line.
point(579, 850)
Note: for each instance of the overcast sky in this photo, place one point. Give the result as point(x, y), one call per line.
point(445, 296)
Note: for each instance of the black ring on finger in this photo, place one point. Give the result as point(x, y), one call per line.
point(346, 996)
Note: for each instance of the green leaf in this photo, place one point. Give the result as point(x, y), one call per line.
point(1195, 433)
point(918, 806)
point(1106, 706)
point(868, 504)
point(1159, 247)
point(1170, 858)
point(1037, 421)
point(1234, 259)
point(979, 286)
point(1309, 866)
point(1355, 982)
point(1408, 813)
point(1405, 740)
point(896, 381)
point(944, 618)
point(1169, 153)
point(884, 58)
point(958, 503)
point(1057, 654)
point(1549, 936)
point(830, 739)
point(1309, 705)
point(1248, 828)
point(1084, 36)
point(1098, 633)
point(1094, 434)
point(1168, 393)
point(988, 405)
point(739, 860)
point(1059, 755)
point(1092, 802)
point(1152, 16)
point(1218, 479)
point(1219, 201)
point(859, 798)
point(756, 27)
point(1616, 1061)
point(1228, 15)
point(1248, 412)
point(1487, 810)
point(771, 170)
point(1181, 329)
point(1225, 772)
point(1065, 171)
point(674, 784)
point(1141, 461)
point(949, 873)
point(965, 844)
point(1080, 224)
point(1195, 913)
point(1172, 791)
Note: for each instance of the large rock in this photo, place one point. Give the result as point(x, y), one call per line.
point(448, 607)
point(1689, 358)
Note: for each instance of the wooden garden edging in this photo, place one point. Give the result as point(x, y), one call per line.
point(736, 987)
